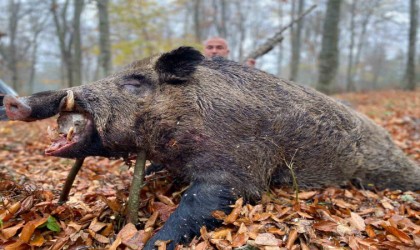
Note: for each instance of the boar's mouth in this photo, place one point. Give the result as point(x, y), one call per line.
point(74, 132)
point(71, 134)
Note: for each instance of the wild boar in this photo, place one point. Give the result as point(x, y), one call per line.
point(228, 129)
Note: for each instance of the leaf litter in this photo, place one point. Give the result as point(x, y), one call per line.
point(93, 218)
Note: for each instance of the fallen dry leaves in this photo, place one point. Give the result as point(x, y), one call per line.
point(329, 218)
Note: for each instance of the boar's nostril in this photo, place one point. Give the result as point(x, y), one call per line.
point(16, 109)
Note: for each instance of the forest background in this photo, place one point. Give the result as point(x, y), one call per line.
point(362, 45)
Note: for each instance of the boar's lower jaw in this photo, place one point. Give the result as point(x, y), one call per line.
point(73, 130)
point(59, 147)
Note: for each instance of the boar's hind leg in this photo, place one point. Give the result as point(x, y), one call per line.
point(194, 211)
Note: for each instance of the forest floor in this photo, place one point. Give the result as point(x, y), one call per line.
point(93, 218)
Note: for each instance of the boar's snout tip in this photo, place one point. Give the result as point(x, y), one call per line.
point(16, 109)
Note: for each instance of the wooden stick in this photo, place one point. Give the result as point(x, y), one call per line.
point(70, 179)
point(136, 185)
point(277, 38)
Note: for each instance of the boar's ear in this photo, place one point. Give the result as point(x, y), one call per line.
point(178, 65)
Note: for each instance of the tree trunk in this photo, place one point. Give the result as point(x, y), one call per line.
point(410, 74)
point(350, 84)
point(14, 8)
point(296, 44)
point(77, 59)
point(197, 21)
point(329, 56)
point(60, 24)
point(241, 28)
point(364, 25)
point(104, 60)
point(34, 62)
point(220, 17)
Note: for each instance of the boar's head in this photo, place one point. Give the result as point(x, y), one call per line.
point(109, 117)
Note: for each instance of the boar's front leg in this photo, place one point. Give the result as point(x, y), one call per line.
point(194, 211)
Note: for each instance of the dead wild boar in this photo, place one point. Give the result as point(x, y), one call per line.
point(228, 129)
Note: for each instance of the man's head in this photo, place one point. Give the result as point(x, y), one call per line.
point(216, 46)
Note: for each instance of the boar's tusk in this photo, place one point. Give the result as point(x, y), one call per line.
point(70, 134)
point(69, 101)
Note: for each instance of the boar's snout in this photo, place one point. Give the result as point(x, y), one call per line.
point(16, 109)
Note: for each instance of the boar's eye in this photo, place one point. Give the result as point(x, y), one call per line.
point(136, 84)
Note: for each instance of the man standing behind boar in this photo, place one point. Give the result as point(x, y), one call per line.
point(217, 46)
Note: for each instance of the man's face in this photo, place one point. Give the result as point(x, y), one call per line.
point(216, 47)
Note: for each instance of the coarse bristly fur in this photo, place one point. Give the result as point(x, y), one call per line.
point(230, 130)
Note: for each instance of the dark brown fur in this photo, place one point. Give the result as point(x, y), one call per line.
point(218, 122)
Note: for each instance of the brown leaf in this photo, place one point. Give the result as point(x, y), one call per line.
point(60, 243)
point(353, 243)
point(11, 231)
point(303, 245)
point(37, 240)
point(240, 239)
point(221, 234)
point(307, 195)
point(138, 240)
point(235, 212)
point(327, 226)
point(18, 245)
point(152, 220)
point(96, 225)
point(165, 200)
point(202, 246)
point(127, 232)
point(29, 229)
point(357, 221)
point(275, 230)
point(204, 234)
point(100, 238)
point(113, 203)
point(74, 225)
point(220, 215)
point(341, 203)
point(108, 229)
point(398, 233)
point(261, 217)
point(221, 244)
point(385, 203)
point(293, 235)
point(26, 204)
point(242, 229)
point(304, 215)
point(10, 211)
point(116, 243)
point(370, 232)
point(164, 210)
point(267, 239)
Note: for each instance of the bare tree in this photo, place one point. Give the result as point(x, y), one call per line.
point(410, 74)
point(220, 10)
point(369, 7)
point(328, 58)
point(349, 82)
point(197, 20)
point(296, 44)
point(38, 21)
point(11, 54)
point(77, 59)
point(104, 60)
point(69, 39)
